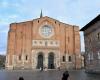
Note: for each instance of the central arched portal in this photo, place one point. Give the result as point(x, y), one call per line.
point(51, 61)
point(40, 61)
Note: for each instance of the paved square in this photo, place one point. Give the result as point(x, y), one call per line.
point(45, 75)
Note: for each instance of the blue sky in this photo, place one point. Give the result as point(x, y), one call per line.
point(75, 12)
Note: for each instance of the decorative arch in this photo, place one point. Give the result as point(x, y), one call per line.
point(40, 58)
point(51, 60)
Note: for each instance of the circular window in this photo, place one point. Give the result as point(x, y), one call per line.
point(46, 31)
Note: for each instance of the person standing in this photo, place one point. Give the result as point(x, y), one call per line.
point(65, 75)
point(21, 78)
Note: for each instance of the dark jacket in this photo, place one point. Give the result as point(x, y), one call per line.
point(65, 75)
point(21, 78)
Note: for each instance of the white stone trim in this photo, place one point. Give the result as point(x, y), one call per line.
point(9, 67)
point(45, 57)
point(46, 43)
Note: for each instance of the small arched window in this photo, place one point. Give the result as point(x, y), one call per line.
point(38, 21)
point(70, 59)
point(35, 42)
point(26, 57)
point(19, 57)
point(40, 42)
point(63, 58)
point(98, 36)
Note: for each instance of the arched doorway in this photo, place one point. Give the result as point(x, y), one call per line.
point(51, 61)
point(40, 61)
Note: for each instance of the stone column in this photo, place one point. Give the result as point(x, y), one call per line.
point(23, 61)
point(32, 60)
point(59, 58)
point(35, 60)
point(56, 59)
point(67, 60)
point(7, 60)
point(46, 60)
point(9, 65)
point(66, 57)
point(13, 61)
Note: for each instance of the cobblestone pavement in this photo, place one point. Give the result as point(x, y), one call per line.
point(46, 75)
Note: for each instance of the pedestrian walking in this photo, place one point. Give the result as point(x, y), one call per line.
point(41, 68)
point(59, 68)
point(45, 68)
point(65, 75)
point(21, 78)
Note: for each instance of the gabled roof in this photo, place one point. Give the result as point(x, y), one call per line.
point(55, 20)
point(48, 18)
point(91, 23)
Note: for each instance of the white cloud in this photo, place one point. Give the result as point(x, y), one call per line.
point(82, 46)
point(4, 26)
point(13, 16)
point(3, 52)
point(82, 41)
point(4, 22)
point(6, 4)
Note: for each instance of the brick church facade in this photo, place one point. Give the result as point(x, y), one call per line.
point(43, 42)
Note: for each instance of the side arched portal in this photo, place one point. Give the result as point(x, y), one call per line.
point(51, 61)
point(40, 61)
